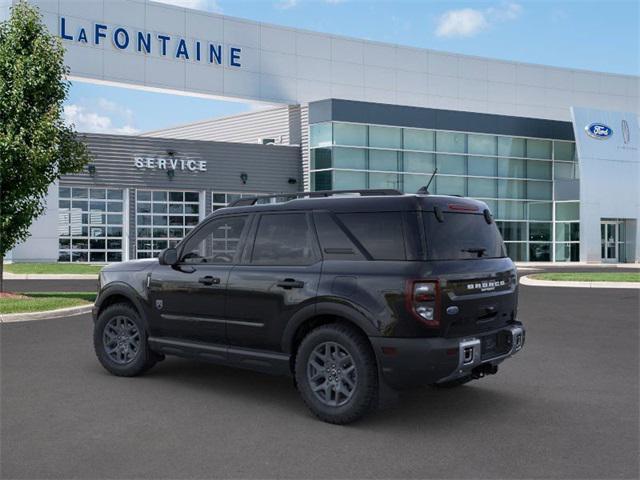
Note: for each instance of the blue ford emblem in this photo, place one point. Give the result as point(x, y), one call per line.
point(599, 130)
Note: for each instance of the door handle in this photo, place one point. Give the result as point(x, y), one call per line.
point(289, 283)
point(209, 280)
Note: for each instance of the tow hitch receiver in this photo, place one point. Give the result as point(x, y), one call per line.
point(484, 369)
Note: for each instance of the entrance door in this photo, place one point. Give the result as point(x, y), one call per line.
point(609, 241)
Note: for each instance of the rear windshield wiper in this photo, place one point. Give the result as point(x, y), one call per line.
point(479, 251)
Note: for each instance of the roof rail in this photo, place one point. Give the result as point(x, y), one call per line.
point(248, 201)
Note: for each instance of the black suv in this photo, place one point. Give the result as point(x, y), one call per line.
point(356, 295)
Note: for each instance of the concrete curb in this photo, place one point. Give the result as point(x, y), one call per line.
point(532, 282)
point(49, 314)
point(48, 276)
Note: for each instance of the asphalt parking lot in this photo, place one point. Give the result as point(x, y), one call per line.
point(566, 407)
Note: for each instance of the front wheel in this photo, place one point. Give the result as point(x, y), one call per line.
point(336, 373)
point(120, 341)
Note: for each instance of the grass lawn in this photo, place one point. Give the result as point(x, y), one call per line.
point(51, 268)
point(42, 301)
point(589, 276)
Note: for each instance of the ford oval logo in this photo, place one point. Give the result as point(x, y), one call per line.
point(599, 131)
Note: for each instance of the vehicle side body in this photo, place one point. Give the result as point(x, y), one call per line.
point(255, 316)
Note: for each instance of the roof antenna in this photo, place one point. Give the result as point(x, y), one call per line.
point(425, 190)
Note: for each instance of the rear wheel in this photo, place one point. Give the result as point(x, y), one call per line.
point(336, 373)
point(120, 341)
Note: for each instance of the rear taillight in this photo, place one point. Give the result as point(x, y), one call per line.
point(423, 301)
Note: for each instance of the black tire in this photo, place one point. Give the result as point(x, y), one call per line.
point(142, 360)
point(454, 383)
point(357, 352)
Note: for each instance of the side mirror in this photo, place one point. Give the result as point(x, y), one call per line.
point(168, 256)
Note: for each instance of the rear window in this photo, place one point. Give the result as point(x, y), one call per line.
point(381, 234)
point(462, 236)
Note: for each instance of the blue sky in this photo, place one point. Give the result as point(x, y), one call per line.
point(600, 35)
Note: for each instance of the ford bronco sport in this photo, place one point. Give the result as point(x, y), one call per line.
point(353, 294)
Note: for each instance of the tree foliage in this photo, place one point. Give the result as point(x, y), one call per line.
point(36, 147)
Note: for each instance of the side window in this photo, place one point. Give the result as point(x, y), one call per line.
point(381, 234)
point(216, 243)
point(335, 243)
point(283, 239)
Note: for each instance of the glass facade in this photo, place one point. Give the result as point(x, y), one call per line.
point(90, 224)
point(163, 218)
point(513, 175)
point(222, 199)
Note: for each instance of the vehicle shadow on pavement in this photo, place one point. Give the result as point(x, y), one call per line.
point(439, 408)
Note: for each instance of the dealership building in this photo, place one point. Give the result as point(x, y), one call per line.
point(554, 152)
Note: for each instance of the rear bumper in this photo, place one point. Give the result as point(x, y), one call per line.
point(406, 362)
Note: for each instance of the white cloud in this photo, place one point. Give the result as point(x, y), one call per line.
point(208, 5)
point(109, 117)
point(467, 22)
point(286, 4)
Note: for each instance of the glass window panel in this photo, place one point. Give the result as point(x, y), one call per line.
point(176, 208)
point(96, 217)
point(160, 220)
point(564, 150)
point(511, 189)
point(64, 204)
point(82, 205)
point(97, 244)
point(451, 142)
point(159, 244)
point(483, 187)
point(383, 160)
point(385, 137)
point(283, 240)
point(97, 231)
point(539, 252)
point(320, 158)
point(191, 197)
point(539, 210)
point(538, 149)
point(517, 251)
point(510, 210)
point(64, 243)
point(114, 207)
point(176, 232)
point(114, 256)
point(80, 243)
point(539, 190)
point(539, 232)
point(97, 256)
point(413, 183)
point(350, 158)
point(80, 256)
point(64, 192)
point(159, 233)
point(219, 198)
point(450, 185)
point(511, 167)
point(483, 166)
point(97, 193)
point(322, 181)
point(513, 231)
point(79, 192)
point(567, 211)
point(159, 196)
point(143, 207)
point(511, 147)
point(143, 196)
point(159, 208)
point(454, 164)
point(419, 162)
point(114, 231)
point(176, 196)
point(176, 220)
point(114, 194)
point(97, 206)
point(383, 180)
point(350, 134)
point(483, 144)
point(349, 180)
point(144, 232)
point(144, 220)
point(64, 256)
point(192, 208)
point(567, 252)
point(540, 170)
point(567, 232)
point(565, 171)
point(419, 139)
point(320, 134)
point(191, 220)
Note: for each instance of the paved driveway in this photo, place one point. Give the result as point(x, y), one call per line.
point(566, 407)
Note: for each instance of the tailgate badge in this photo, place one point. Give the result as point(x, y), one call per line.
point(452, 310)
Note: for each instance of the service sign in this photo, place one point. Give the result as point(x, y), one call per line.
point(171, 163)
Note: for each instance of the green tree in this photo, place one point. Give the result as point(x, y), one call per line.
point(36, 147)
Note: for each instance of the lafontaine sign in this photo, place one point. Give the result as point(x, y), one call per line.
point(171, 163)
point(160, 44)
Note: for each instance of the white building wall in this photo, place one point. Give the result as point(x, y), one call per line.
point(292, 66)
point(609, 178)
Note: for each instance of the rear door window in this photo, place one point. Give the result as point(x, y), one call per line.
point(461, 236)
point(284, 239)
point(380, 233)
